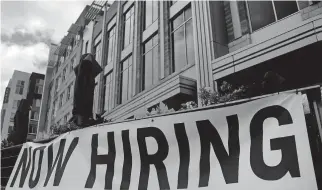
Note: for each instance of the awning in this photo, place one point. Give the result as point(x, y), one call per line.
point(95, 8)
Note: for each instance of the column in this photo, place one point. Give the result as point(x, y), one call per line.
point(137, 53)
point(202, 44)
point(100, 83)
point(117, 53)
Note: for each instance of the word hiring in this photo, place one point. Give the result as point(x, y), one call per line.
point(209, 140)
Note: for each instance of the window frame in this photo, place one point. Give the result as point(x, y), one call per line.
point(109, 38)
point(275, 14)
point(144, 53)
point(108, 102)
point(121, 71)
point(124, 19)
point(20, 87)
point(145, 26)
point(173, 30)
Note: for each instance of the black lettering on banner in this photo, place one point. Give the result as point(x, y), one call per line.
point(33, 183)
point(61, 165)
point(108, 159)
point(24, 169)
point(127, 165)
point(155, 159)
point(229, 162)
point(184, 152)
point(287, 145)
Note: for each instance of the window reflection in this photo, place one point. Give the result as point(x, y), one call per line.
point(111, 45)
point(151, 12)
point(151, 62)
point(263, 13)
point(125, 80)
point(285, 8)
point(108, 92)
point(182, 40)
point(128, 27)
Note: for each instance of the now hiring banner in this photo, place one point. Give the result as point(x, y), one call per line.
point(261, 144)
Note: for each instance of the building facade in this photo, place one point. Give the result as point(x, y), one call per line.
point(16, 90)
point(22, 85)
point(34, 98)
point(156, 52)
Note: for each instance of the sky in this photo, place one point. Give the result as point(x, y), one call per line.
point(27, 29)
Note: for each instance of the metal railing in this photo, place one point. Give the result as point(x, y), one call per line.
point(8, 159)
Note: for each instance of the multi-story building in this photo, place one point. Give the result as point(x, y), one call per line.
point(16, 90)
point(34, 97)
point(22, 85)
point(165, 51)
point(57, 100)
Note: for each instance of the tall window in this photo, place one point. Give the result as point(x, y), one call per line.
point(128, 27)
point(151, 62)
point(68, 92)
point(36, 103)
point(151, 12)
point(108, 101)
point(97, 49)
point(125, 80)
point(34, 115)
point(54, 108)
point(12, 115)
point(263, 13)
point(65, 118)
point(57, 85)
point(182, 40)
point(39, 86)
point(61, 99)
point(111, 45)
point(32, 128)
point(15, 104)
point(20, 86)
point(95, 100)
point(64, 75)
point(71, 66)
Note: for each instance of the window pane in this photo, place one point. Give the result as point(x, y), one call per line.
point(285, 8)
point(148, 45)
point(179, 56)
point(177, 21)
point(131, 29)
point(155, 10)
point(127, 33)
point(155, 39)
point(190, 44)
point(148, 70)
point(110, 46)
point(130, 80)
point(124, 85)
point(156, 64)
point(187, 13)
point(148, 13)
point(261, 13)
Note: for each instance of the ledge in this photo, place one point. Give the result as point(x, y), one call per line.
point(169, 88)
point(304, 34)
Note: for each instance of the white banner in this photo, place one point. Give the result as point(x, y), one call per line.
point(262, 144)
